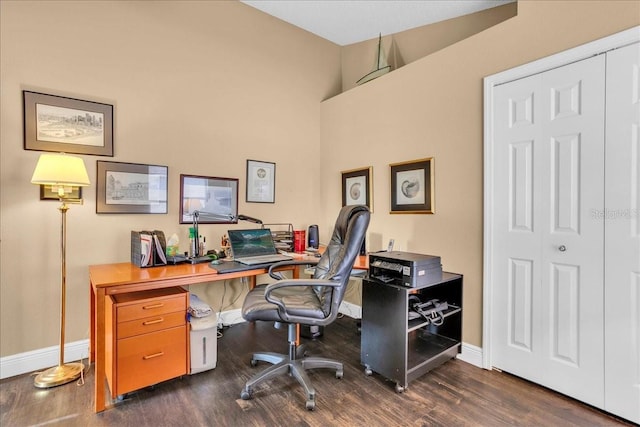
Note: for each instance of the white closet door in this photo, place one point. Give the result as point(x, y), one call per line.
point(622, 234)
point(517, 231)
point(548, 289)
point(572, 239)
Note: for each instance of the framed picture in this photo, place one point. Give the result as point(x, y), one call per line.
point(357, 187)
point(412, 185)
point(131, 188)
point(67, 125)
point(214, 199)
point(47, 193)
point(261, 182)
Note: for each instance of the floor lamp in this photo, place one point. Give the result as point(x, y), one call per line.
point(62, 173)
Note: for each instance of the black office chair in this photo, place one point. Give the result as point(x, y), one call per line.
point(313, 301)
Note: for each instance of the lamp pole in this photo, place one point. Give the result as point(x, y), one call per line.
point(63, 276)
point(63, 373)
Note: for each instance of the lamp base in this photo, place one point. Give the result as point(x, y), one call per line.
point(58, 375)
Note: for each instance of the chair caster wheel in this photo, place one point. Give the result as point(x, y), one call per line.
point(245, 394)
point(339, 374)
point(399, 388)
point(311, 405)
point(254, 362)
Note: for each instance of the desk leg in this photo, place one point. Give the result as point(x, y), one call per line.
point(98, 348)
point(92, 321)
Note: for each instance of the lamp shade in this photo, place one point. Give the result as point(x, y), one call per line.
point(60, 170)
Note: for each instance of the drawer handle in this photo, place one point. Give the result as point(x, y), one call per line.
point(153, 322)
point(151, 356)
point(150, 307)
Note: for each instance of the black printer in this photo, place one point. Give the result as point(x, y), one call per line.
point(405, 268)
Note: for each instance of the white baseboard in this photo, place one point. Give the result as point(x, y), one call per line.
point(35, 360)
point(471, 354)
point(43, 358)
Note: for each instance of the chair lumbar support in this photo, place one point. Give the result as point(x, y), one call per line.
point(295, 364)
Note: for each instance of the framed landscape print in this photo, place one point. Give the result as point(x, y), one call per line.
point(67, 125)
point(131, 188)
point(412, 185)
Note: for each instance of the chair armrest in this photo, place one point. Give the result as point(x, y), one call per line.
point(287, 283)
point(276, 275)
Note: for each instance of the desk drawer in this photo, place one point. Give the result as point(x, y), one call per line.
point(151, 324)
point(151, 358)
point(153, 306)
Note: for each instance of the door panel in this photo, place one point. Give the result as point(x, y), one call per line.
point(521, 192)
point(548, 289)
point(565, 203)
point(622, 229)
point(517, 218)
point(565, 320)
point(572, 250)
point(520, 322)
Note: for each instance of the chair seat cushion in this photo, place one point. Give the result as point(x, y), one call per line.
point(300, 301)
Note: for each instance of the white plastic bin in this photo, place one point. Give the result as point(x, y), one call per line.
point(203, 343)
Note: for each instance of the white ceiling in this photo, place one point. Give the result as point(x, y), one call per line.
point(346, 22)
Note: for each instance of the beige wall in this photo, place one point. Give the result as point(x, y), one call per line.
point(198, 86)
point(408, 46)
point(229, 83)
point(433, 107)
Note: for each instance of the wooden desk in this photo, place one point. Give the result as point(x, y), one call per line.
point(361, 263)
point(113, 279)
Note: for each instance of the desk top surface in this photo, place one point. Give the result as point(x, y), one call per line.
point(126, 273)
point(107, 275)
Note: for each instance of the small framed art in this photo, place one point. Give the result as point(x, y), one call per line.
point(67, 125)
point(261, 182)
point(357, 187)
point(412, 187)
point(215, 200)
point(131, 188)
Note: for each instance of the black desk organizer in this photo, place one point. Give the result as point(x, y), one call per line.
point(158, 248)
point(402, 347)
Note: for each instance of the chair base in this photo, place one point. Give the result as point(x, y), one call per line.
point(294, 364)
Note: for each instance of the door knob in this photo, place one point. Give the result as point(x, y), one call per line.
point(562, 248)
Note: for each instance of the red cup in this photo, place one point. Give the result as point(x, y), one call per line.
point(299, 240)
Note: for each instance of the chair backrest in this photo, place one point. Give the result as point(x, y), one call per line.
point(337, 260)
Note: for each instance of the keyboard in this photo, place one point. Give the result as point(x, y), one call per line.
point(263, 259)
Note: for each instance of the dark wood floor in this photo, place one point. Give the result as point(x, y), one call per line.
point(455, 394)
